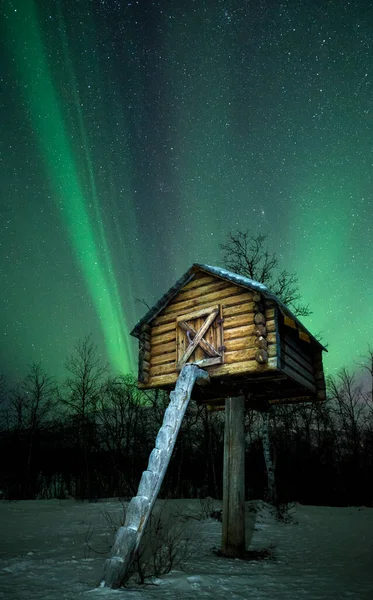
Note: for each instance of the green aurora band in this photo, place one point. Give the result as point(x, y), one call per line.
point(90, 246)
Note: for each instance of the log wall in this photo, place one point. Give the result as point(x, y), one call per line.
point(240, 331)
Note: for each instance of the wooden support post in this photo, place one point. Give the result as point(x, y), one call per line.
point(233, 539)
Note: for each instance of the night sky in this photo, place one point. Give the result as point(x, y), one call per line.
point(136, 135)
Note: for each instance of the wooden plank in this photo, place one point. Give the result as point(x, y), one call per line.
point(296, 366)
point(199, 353)
point(297, 377)
point(233, 526)
point(208, 362)
point(288, 351)
point(128, 536)
point(296, 346)
point(270, 313)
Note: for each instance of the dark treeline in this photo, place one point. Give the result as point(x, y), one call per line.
point(91, 438)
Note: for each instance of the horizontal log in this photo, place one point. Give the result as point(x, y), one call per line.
point(229, 295)
point(159, 329)
point(243, 343)
point(240, 343)
point(160, 381)
point(239, 332)
point(202, 312)
point(162, 359)
point(202, 290)
point(270, 313)
point(164, 348)
point(165, 369)
point(250, 367)
point(173, 310)
point(271, 325)
point(245, 354)
point(166, 342)
point(162, 339)
point(237, 309)
point(198, 280)
point(239, 355)
point(238, 320)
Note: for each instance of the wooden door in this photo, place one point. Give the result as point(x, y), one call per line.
point(199, 338)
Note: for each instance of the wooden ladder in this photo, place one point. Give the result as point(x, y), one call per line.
point(128, 536)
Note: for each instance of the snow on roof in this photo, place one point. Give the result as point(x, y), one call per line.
point(240, 279)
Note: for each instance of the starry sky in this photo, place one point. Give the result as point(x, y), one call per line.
point(137, 134)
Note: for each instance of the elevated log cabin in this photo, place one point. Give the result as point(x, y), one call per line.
point(250, 343)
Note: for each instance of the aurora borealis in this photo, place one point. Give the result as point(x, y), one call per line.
point(136, 135)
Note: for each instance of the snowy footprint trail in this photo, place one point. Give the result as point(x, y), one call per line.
point(327, 555)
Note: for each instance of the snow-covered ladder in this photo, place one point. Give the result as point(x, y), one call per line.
point(128, 536)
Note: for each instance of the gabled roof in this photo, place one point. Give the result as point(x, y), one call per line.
point(240, 280)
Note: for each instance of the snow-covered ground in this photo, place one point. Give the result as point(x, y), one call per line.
point(49, 551)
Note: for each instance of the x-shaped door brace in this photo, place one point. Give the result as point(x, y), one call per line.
point(197, 338)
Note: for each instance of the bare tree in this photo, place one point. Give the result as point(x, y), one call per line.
point(125, 429)
point(29, 410)
point(249, 255)
point(82, 390)
point(367, 364)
